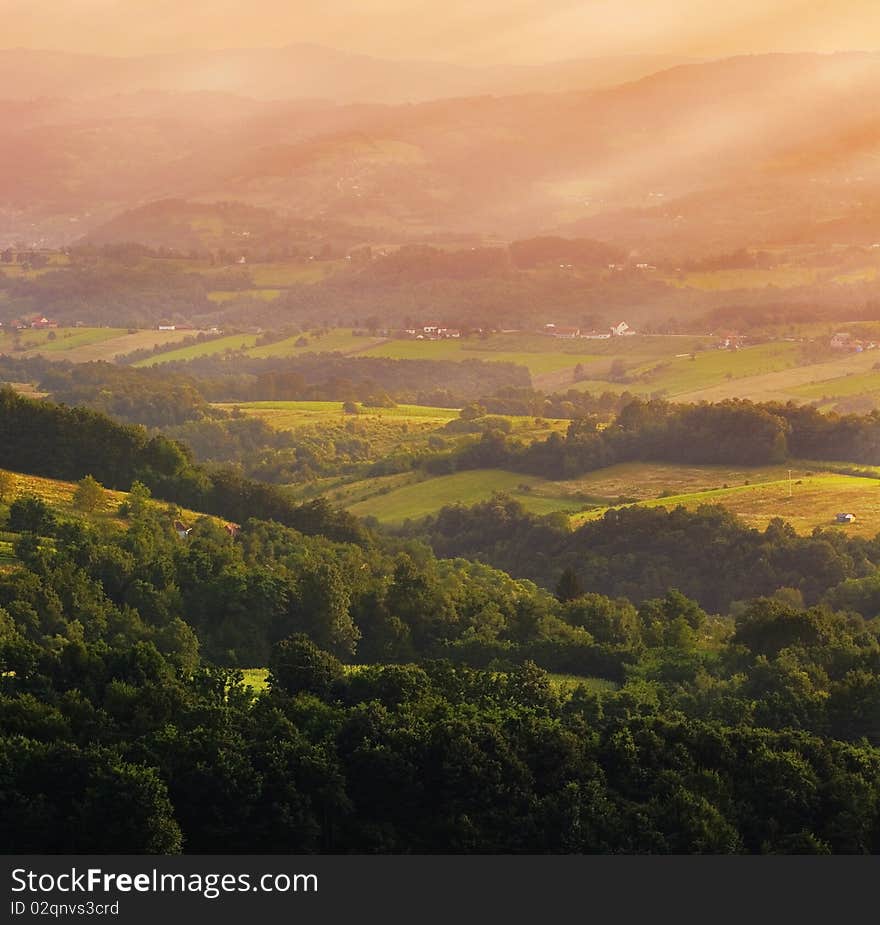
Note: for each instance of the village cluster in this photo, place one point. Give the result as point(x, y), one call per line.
point(439, 332)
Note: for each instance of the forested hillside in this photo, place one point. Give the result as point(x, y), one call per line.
point(408, 707)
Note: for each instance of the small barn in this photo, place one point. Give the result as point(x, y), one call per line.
point(845, 518)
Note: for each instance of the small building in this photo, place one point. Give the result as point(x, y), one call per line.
point(841, 341)
point(730, 341)
point(566, 333)
point(232, 529)
point(181, 529)
point(845, 518)
point(621, 329)
point(167, 327)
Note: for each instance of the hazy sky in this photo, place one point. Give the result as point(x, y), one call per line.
point(466, 31)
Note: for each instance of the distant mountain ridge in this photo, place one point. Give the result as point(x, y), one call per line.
point(697, 159)
point(302, 71)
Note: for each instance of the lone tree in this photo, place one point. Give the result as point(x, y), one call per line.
point(297, 664)
point(136, 502)
point(569, 587)
point(29, 514)
point(89, 495)
point(617, 372)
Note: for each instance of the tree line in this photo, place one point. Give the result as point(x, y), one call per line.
point(732, 432)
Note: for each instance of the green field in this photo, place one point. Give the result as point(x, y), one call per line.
point(87, 344)
point(57, 340)
point(677, 367)
point(289, 415)
point(70, 338)
point(537, 363)
point(203, 349)
point(282, 275)
point(828, 390)
point(227, 295)
point(340, 340)
point(58, 495)
point(816, 497)
point(393, 499)
point(418, 499)
point(682, 374)
point(783, 385)
point(757, 494)
point(335, 341)
point(784, 277)
point(380, 431)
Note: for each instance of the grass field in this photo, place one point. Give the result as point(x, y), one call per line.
point(336, 341)
point(59, 339)
point(227, 295)
point(757, 495)
point(281, 275)
point(816, 497)
point(72, 338)
point(289, 415)
point(380, 431)
point(58, 495)
point(783, 277)
point(206, 348)
point(85, 345)
point(829, 390)
point(537, 362)
point(418, 499)
point(786, 384)
point(677, 367)
point(340, 340)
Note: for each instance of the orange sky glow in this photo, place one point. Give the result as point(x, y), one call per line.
point(463, 31)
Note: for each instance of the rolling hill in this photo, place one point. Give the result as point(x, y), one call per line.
point(302, 71)
point(696, 159)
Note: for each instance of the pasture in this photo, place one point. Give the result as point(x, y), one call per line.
point(816, 497)
point(85, 344)
point(228, 295)
point(233, 342)
point(783, 277)
point(283, 275)
point(787, 384)
point(290, 415)
point(687, 368)
point(414, 500)
point(378, 432)
point(339, 340)
point(58, 495)
point(757, 495)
